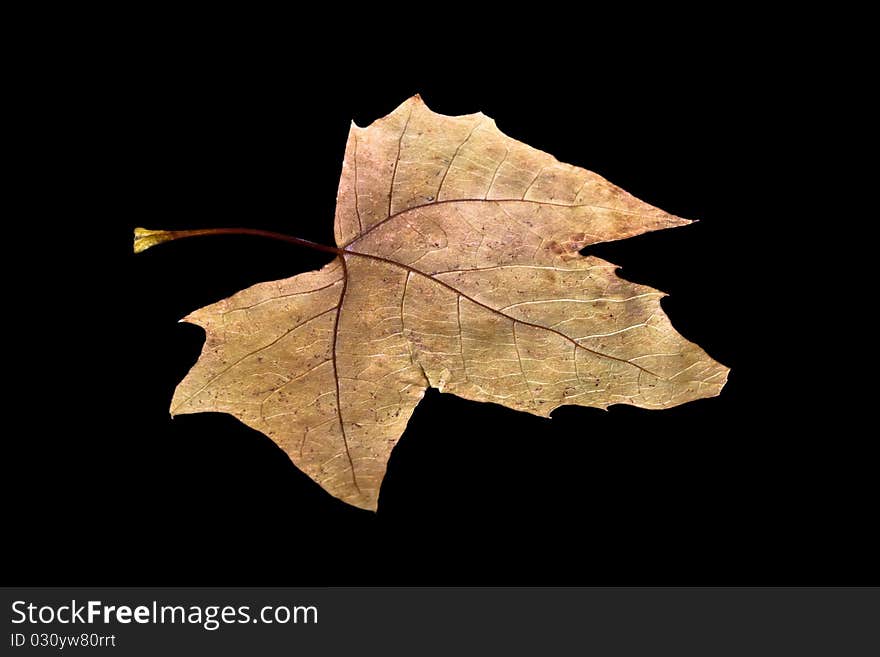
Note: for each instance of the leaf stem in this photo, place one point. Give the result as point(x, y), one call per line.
point(144, 238)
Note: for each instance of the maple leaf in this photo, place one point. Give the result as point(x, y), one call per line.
point(456, 267)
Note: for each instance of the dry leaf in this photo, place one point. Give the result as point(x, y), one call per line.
point(458, 268)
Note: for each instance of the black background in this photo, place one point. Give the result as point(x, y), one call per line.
point(102, 487)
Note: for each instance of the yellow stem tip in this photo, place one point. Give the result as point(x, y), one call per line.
point(144, 238)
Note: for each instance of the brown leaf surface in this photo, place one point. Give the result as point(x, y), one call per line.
point(460, 271)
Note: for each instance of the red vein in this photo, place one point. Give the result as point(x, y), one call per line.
point(503, 314)
point(493, 200)
point(336, 373)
